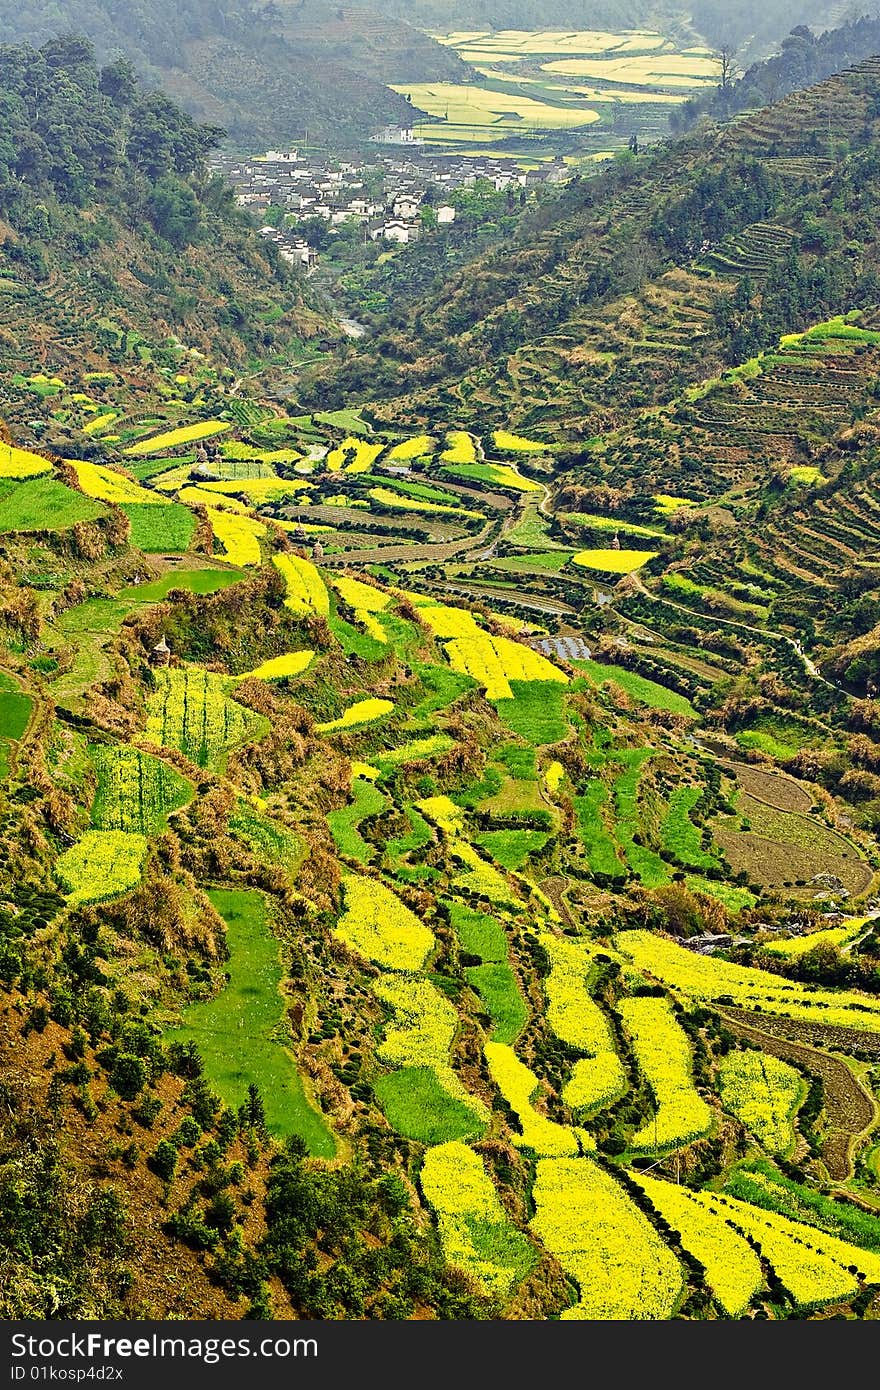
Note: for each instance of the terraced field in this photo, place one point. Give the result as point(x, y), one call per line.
point(439, 813)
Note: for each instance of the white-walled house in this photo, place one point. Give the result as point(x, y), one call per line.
point(397, 231)
point(406, 207)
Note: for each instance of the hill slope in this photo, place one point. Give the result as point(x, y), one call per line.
point(416, 843)
point(112, 231)
point(607, 290)
point(240, 66)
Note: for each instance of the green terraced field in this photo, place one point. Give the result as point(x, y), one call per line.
point(44, 504)
point(237, 1032)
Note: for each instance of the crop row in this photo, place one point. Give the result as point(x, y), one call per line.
point(190, 710)
point(135, 791)
point(706, 977)
point(663, 1056)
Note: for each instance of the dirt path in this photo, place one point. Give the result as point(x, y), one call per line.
point(809, 665)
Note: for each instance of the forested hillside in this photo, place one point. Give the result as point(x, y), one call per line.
point(229, 63)
point(113, 235)
point(806, 57)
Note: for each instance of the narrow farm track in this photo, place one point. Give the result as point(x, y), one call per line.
point(809, 666)
point(848, 1106)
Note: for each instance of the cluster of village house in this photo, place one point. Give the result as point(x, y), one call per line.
point(337, 190)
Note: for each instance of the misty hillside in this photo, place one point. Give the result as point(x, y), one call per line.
point(239, 65)
point(752, 27)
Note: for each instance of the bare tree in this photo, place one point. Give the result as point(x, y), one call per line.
point(725, 56)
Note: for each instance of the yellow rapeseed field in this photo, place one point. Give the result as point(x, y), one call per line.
point(733, 1270)
point(496, 661)
point(614, 561)
point(516, 443)
point(259, 489)
point(291, 664)
point(21, 463)
point(107, 485)
point(577, 1020)
point(518, 1084)
point(813, 1266)
point(706, 977)
point(363, 455)
point(306, 590)
point(198, 497)
point(474, 1227)
point(361, 712)
point(378, 926)
point(460, 448)
point(239, 536)
point(413, 448)
point(172, 439)
point(602, 1239)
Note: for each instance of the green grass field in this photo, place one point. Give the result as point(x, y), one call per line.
point(158, 529)
point(419, 835)
point(151, 468)
point(535, 712)
point(15, 711)
point(647, 865)
point(496, 985)
point(193, 581)
point(235, 1032)
point(550, 560)
point(94, 615)
point(647, 692)
point(511, 848)
point(366, 801)
point(417, 1106)
point(477, 932)
point(354, 642)
point(599, 846)
point(678, 834)
point(761, 1183)
point(267, 838)
point(442, 686)
point(44, 504)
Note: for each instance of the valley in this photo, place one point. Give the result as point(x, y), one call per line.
point(440, 770)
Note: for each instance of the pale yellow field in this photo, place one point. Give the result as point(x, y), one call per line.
point(601, 94)
point(666, 70)
point(478, 108)
point(522, 42)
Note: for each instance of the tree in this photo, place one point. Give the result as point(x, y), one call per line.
point(119, 82)
point(164, 1160)
point(174, 211)
point(252, 1114)
point(726, 58)
point(128, 1074)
